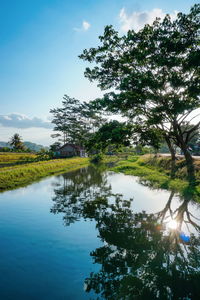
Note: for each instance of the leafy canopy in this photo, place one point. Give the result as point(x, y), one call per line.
point(16, 142)
point(74, 121)
point(154, 78)
point(154, 73)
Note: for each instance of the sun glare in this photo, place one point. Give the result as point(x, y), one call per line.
point(172, 224)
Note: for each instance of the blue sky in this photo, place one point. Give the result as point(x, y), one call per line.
point(40, 42)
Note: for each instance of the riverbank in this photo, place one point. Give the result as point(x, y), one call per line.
point(155, 171)
point(20, 175)
point(19, 169)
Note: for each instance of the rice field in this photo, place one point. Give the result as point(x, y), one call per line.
point(15, 171)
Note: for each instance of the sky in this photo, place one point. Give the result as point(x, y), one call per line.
point(40, 41)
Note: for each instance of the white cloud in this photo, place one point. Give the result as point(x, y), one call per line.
point(137, 20)
point(35, 135)
point(6, 117)
point(17, 120)
point(85, 26)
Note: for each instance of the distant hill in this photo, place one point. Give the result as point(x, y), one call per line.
point(35, 147)
point(30, 145)
point(4, 144)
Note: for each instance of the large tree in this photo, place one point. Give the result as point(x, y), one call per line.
point(154, 76)
point(112, 134)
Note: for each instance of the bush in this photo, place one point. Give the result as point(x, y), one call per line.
point(5, 149)
point(96, 158)
point(44, 155)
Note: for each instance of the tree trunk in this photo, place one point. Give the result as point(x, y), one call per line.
point(189, 164)
point(188, 157)
point(173, 157)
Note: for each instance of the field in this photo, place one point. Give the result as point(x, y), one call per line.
point(11, 159)
point(16, 170)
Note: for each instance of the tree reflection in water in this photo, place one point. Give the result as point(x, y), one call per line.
point(142, 257)
point(80, 193)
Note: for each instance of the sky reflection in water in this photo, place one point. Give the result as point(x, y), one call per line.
point(144, 243)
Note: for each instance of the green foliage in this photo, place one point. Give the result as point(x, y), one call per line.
point(44, 155)
point(147, 136)
point(16, 143)
point(141, 150)
point(20, 175)
point(74, 121)
point(5, 149)
point(20, 169)
point(155, 77)
point(97, 158)
point(155, 171)
point(55, 146)
point(163, 148)
point(110, 136)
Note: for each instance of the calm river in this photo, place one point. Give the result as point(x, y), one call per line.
point(95, 234)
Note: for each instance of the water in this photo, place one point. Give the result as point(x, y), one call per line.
point(94, 234)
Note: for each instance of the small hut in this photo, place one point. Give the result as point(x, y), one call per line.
point(69, 150)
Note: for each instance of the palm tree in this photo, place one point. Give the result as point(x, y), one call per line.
point(16, 142)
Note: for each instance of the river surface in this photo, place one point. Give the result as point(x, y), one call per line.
point(95, 234)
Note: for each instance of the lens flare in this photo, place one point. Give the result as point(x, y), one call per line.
point(172, 224)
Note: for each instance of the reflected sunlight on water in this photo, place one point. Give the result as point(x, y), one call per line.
point(92, 234)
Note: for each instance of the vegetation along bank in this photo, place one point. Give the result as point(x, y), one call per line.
point(16, 170)
point(17, 175)
point(20, 169)
point(155, 171)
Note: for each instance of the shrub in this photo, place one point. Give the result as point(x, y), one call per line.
point(95, 159)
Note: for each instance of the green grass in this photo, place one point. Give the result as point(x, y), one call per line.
point(21, 175)
point(153, 171)
point(156, 173)
point(18, 169)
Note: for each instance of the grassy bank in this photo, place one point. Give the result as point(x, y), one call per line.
point(18, 169)
point(21, 175)
point(155, 171)
point(15, 171)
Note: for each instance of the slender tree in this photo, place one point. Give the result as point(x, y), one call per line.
point(74, 121)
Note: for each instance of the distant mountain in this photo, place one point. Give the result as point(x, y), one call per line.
point(35, 147)
point(30, 145)
point(4, 144)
